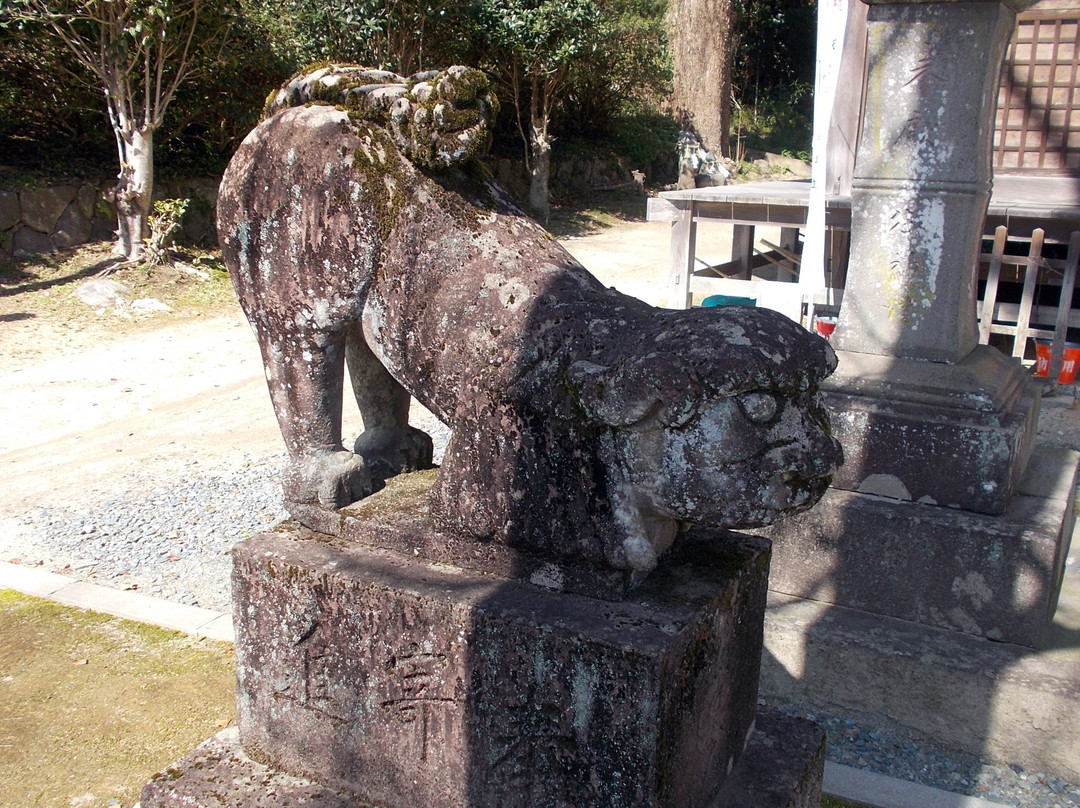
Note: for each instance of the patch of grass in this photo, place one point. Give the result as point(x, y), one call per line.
point(585, 215)
point(781, 122)
point(91, 706)
point(43, 286)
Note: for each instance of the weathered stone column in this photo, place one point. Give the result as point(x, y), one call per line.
point(922, 177)
point(937, 430)
point(923, 411)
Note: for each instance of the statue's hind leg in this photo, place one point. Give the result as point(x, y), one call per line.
point(305, 375)
point(388, 444)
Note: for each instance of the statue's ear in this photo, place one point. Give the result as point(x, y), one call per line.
point(634, 389)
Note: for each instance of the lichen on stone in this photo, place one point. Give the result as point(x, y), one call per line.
point(386, 181)
point(437, 118)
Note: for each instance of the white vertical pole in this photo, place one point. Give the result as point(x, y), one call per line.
point(831, 23)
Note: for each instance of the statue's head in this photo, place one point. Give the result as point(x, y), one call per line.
point(718, 423)
point(438, 118)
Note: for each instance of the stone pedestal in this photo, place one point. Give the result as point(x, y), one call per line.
point(989, 699)
point(410, 683)
point(371, 675)
point(956, 435)
point(931, 519)
point(781, 768)
point(922, 412)
point(996, 577)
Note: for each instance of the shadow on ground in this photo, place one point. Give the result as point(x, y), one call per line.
point(593, 213)
point(16, 279)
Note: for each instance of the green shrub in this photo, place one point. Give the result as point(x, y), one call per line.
point(780, 122)
point(644, 137)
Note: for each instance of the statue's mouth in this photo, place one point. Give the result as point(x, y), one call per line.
point(793, 490)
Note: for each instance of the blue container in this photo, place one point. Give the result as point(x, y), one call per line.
point(728, 300)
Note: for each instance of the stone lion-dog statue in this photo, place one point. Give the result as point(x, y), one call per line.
point(587, 426)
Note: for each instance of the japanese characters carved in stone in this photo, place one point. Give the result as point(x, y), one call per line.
point(586, 425)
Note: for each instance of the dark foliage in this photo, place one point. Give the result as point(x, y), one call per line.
point(52, 119)
point(49, 119)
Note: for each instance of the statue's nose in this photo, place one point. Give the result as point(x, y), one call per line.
point(827, 453)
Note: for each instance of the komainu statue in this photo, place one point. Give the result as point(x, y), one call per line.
point(586, 425)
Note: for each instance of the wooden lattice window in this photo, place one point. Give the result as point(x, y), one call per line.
point(1038, 119)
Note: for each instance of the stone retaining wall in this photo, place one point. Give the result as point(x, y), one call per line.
point(38, 219)
point(570, 174)
point(43, 218)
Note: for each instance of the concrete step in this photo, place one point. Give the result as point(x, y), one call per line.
point(1008, 702)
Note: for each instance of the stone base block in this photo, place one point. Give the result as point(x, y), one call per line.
point(218, 773)
point(397, 518)
point(407, 682)
point(781, 768)
point(993, 699)
point(957, 435)
point(990, 576)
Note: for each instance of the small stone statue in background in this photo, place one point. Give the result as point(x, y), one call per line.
point(586, 425)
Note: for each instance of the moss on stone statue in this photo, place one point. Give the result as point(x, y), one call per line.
point(404, 493)
point(467, 85)
point(445, 124)
point(387, 179)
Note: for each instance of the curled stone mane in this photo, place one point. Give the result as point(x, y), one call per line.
point(438, 118)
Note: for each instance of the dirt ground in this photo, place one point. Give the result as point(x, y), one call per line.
point(86, 394)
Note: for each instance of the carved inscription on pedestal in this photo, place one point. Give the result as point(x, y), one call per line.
point(420, 698)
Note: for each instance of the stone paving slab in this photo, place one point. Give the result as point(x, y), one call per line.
point(857, 785)
point(119, 603)
point(31, 581)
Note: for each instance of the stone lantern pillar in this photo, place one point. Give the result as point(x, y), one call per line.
point(925, 413)
point(937, 430)
point(922, 177)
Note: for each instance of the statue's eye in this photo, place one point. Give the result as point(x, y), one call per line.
point(759, 407)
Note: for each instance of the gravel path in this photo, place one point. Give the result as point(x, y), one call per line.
point(896, 753)
point(167, 539)
point(164, 529)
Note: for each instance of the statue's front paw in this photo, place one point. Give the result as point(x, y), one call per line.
point(330, 480)
point(388, 452)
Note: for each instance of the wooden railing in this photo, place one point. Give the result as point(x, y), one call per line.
point(1030, 319)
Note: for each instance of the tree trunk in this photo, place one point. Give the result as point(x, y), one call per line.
point(700, 32)
point(540, 174)
point(540, 152)
point(134, 190)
